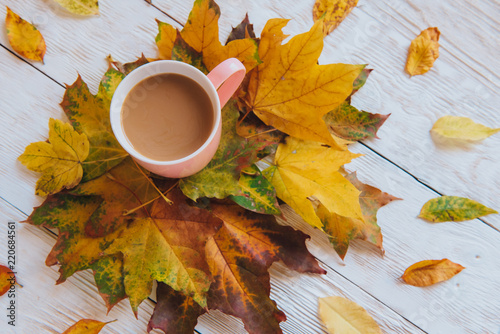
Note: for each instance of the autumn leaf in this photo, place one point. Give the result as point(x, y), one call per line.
point(423, 52)
point(453, 208)
point(349, 123)
point(80, 7)
point(257, 193)
point(167, 247)
point(165, 39)
point(341, 315)
point(304, 169)
point(341, 230)
point(174, 312)
point(59, 160)
point(201, 32)
point(428, 272)
point(220, 177)
point(360, 80)
point(181, 51)
point(239, 257)
point(266, 137)
point(241, 31)
point(123, 188)
point(87, 326)
point(463, 128)
point(371, 200)
point(290, 91)
point(24, 37)
point(7, 279)
point(89, 114)
point(332, 12)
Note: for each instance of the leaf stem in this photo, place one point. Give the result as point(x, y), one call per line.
point(126, 213)
point(260, 133)
point(152, 183)
point(104, 160)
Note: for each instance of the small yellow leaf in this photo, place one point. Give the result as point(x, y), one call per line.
point(464, 128)
point(80, 7)
point(59, 160)
point(24, 37)
point(165, 39)
point(424, 50)
point(334, 11)
point(86, 326)
point(453, 208)
point(342, 316)
point(428, 272)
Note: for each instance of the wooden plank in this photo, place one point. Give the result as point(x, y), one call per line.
point(463, 81)
point(79, 45)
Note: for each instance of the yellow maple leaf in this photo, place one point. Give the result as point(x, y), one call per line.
point(424, 50)
point(59, 160)
point(290, 91)
point(304, 169)
point(464, 128)
point(24, 37)
point(334, 11)
point(342, 315)
point(201, 32)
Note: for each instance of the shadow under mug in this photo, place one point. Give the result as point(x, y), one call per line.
point(220, 84)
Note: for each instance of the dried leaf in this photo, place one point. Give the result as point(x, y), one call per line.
point(453, 208)
point(89, 115)
point(7, 279)
point(462, 128)
point(241, 31)
point(219, 178)
point(181, 51)
point(290, 91)
point(428, 272)
point(81, 7)
point(424, 50)
point(341, 230)
point(59, 160)
point(332, 12)
point(257, 193)
point(201, 32)
point(165, 39)
point(123, 188)
point(239, 256)
point(342, 316)
point(360, 80)
point(174, 312)
point(304, 169)
point(86, 326)
point(24, 37)
point(349, 123)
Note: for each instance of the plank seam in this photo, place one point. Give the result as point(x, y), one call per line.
point(30, 64)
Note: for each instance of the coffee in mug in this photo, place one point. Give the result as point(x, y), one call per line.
point(167, 116)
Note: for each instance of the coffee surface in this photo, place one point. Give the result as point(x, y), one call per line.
point(167, 117)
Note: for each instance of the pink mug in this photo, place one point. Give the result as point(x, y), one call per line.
point(220, 84)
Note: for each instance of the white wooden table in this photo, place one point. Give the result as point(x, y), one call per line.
point(405, 162)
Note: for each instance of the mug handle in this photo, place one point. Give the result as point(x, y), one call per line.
point(226, 78)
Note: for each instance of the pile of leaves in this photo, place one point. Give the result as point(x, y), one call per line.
point(209, 239)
